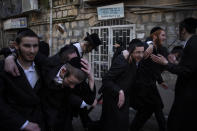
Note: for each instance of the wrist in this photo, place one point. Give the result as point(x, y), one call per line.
point(90, 77)
point(121, 92)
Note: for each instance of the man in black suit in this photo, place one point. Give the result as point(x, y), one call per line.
point(60, 81)
point(90, 42)
point(117, 84)
point(7, 51)
point(53, 95)
point(83, 92)
point(20, 104)
point(184, 109)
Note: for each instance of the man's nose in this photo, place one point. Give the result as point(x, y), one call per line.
point(32, 49)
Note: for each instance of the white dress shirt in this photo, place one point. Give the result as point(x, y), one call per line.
point(31, 74)
point(32, 78)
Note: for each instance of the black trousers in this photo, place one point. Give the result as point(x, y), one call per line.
point(144, 114)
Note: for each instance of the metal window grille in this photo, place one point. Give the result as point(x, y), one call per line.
point(109, 31)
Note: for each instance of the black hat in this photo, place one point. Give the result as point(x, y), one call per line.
point(155, 29)
point(76, 62)
point(23, 30)
point(93, 39)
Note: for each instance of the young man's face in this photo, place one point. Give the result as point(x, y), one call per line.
point(72, 55)
point(11, 44)
point(28, 48)
point(71, 81)
point(87, 48)
point(162, 37)
point(138, 53)
point(182, 32)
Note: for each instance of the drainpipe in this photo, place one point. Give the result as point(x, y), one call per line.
point(51, 26)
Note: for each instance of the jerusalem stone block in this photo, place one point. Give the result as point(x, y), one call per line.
point(67, 41)
point(60, 2)
point(59, 14)
point(67, 25)
point(65, 13)
point(65, 35)
point(70, 33)
point(92, 21)
point(74, 24)
point(140, 35)
point(179, 16)
point(69, 7)
point(156, 17)
point(140, 27)
point(72, 12)
point(88, 16)
point(81, 17)
point(77, 33)
point(81, 23)
point(56, 3)
point(131, 17)
point(61, 42)
point(150, 26)
point(169, 17)
point(171, 30)
point(145, 18)
point(84, 31)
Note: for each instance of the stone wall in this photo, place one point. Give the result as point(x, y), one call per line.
point(167, 20)
point(76, 21)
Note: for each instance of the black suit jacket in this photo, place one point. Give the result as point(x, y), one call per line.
point(80, 93)
point(58, 100)
point(119, 77)
point(19, 101)
point(184, 108)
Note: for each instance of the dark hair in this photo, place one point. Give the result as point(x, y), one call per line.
point(26, 33)
point(77, 73)
point(133, 44)
point(65, 51)
point(119, 42)
point(177, 49)
point(190, 24)
point(154, 29)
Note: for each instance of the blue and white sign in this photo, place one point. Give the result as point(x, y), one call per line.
point(111, 11)
point(15, 23)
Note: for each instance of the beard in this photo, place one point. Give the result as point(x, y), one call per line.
point(23, 57)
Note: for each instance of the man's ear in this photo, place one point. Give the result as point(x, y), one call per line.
point(63, 72)
point(183, 31)
point(154, 38)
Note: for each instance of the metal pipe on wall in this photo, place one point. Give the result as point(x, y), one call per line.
point(51, 26)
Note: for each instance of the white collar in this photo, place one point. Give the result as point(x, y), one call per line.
point(78, 48)
point(31, 68)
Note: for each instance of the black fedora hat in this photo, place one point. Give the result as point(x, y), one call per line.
point(93, 40)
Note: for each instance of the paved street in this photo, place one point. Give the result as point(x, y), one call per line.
point(151, 125)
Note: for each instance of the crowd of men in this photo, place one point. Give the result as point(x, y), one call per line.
point(41, 93)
